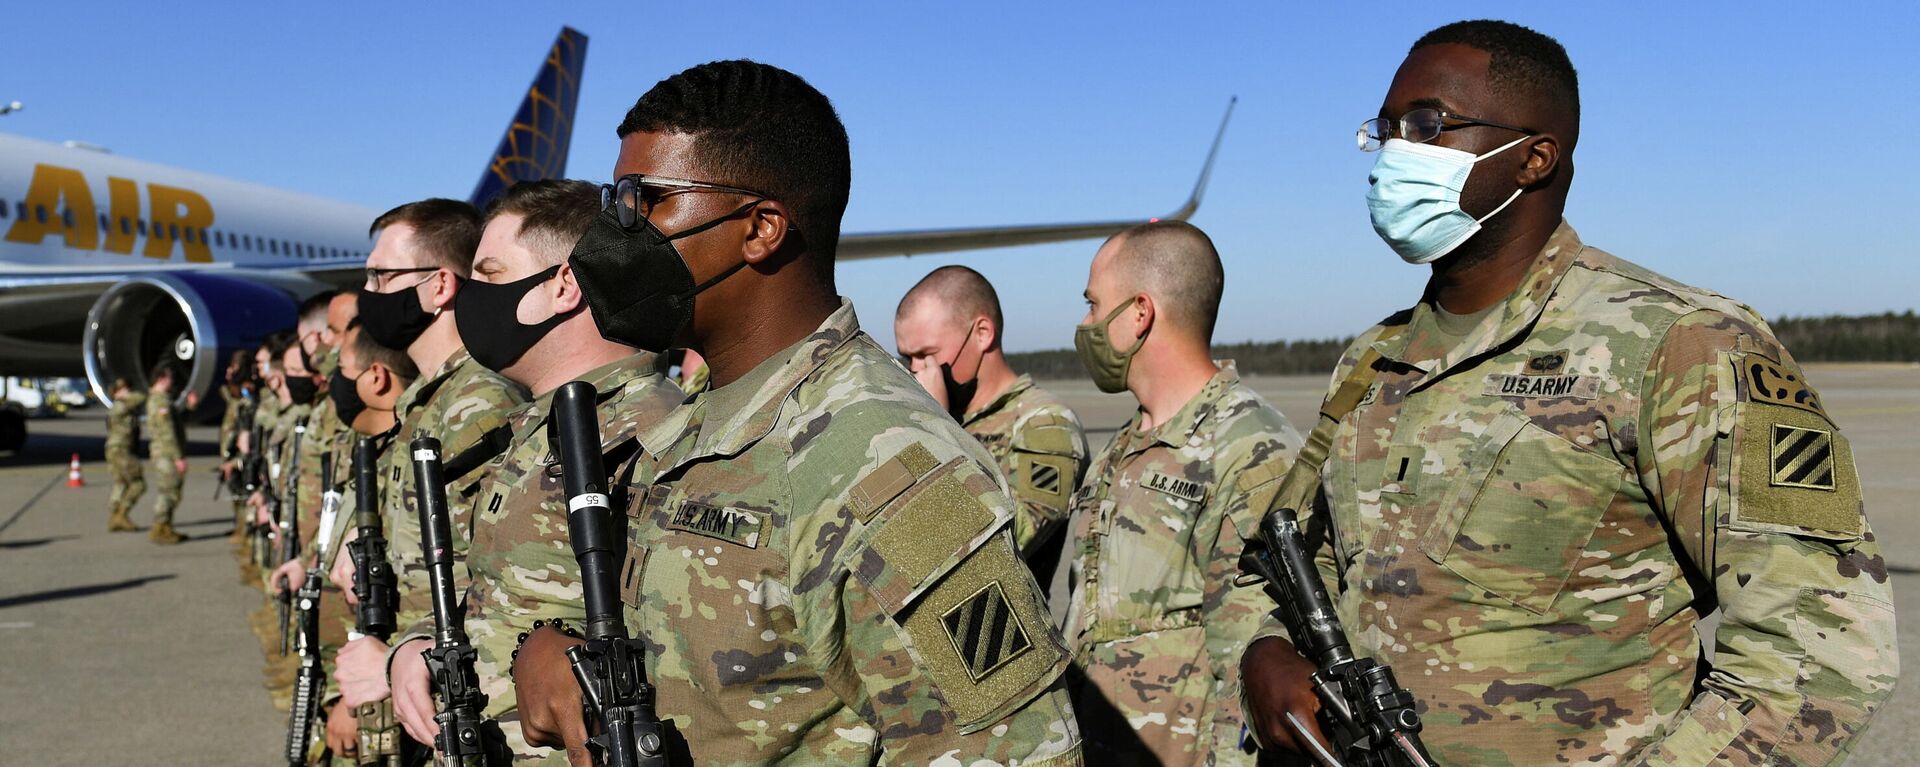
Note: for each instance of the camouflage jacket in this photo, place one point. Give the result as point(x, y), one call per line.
point(230, 422)
point(123, 421)
point(520, 561)
point(1528, 527)
point(1156, 621)
point(163, 432)
point(280, 443)
point(826, 575)
point(323, 433)
point(1038, 444)
point(465, 406)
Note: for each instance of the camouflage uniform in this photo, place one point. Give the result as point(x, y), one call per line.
point(1528, 525)
point(465, 406)
point(163, 448)
point(699, 381)
point(123, 432)
point(1038, 444)
point(824, 570)
point(1155, 619)
point(520, 561)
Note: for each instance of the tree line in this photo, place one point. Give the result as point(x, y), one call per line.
point(1887, 337)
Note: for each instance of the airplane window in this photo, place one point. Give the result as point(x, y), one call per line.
point(187, 234)
point(142, 224)
point(104, 226)
point(40, 213)
point(66, 217)
point(3, 208)
point(126, 227)
point(173, 231)
point(22, 209)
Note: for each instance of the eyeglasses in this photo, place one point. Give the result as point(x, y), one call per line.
point(378, 277)
point(1420, 126)
point(633, 196)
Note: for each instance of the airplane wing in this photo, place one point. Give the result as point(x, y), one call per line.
point(925, 241)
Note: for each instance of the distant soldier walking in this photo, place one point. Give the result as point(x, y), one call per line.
point(165, 448)
point(123, 432)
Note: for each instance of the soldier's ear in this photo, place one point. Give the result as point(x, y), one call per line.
point(1144, 313)
point(566, 295)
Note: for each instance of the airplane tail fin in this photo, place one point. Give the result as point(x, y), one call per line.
point(536, 142)
point(1187, 210)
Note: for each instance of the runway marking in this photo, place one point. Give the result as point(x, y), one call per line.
point(51, 481)
point(16, 625)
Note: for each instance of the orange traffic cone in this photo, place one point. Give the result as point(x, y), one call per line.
point(73, 473)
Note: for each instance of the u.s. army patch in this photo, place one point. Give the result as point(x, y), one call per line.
point(986, 632)
point(1174, 486)
point(731, 525)
point(1802, 457)
point(1542, 386)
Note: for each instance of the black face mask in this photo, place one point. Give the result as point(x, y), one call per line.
point(302, 389)
point(484, 312)
point(960, 395)
point(346, 398)
point(635, 282)
point(394, 319)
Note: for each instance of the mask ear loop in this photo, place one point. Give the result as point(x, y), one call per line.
point(1516, 192)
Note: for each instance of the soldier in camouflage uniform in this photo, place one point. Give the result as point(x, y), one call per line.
point(456, 400)
point(520, 560)
point(1561, 461)
point(165, 447)
point(948, 327)
point(1154, 617)
point(123, 434)
point(822, 559)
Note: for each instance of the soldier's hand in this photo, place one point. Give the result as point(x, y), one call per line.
point(343, 729)
point(180, 465)
point(1279, 682)
point(928, 374)
point(413, 691)
point(549, 695)
point(342, 576)
point(283, 576)
point(361, 670)
point(260, 515)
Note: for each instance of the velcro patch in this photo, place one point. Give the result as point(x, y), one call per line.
point(1049, 478)
point(1802, 457)
point(890, 479)
point(1779, 385)
point(1174, 486)
point(1542, 386)
point(986, 632)
point(732, 525)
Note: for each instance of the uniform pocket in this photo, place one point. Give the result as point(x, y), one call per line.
point(1523, 508)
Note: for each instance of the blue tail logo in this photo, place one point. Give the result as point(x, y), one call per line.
point(535, 145)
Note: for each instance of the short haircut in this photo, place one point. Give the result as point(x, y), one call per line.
point(315, 307)
point(965, 293)
point(1177, 264)
point(163, 370)
point(762, 128)
point(553, 215)
point(369, 352)
point(446, 231)
point(277, 343)
point(1523, 64)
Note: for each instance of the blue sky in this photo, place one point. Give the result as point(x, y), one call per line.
point(1763, 150)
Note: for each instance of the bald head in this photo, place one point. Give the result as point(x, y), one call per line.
point(1174, 262)
point(960, 291)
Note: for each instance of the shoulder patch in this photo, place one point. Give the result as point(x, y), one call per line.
point(736, 526)
point(983, 636)
point(1767, 381)
point(986, 631)
point(1796, 475)
point(1046, 433)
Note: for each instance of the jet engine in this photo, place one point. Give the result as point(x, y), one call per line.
point(195, 320)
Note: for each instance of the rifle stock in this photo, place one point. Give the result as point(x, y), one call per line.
point(309, 682)
point(466, 738)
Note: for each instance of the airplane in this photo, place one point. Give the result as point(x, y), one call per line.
point(110, 265)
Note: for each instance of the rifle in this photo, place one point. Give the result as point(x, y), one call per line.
point(376, 589)
point(1369, 715)
point(253, 476)
point(611, 668)
point(289, 525)
point(466, 738)
point(309, 681)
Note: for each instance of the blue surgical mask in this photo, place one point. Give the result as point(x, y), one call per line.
point(1415, 198)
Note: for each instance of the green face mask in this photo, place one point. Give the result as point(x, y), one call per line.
point(1106, 364)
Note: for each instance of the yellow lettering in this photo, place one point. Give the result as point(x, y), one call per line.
point(53, 185)
point(123, 208)
point(175, 209)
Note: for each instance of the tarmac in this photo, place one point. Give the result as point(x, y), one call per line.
point(117, 651)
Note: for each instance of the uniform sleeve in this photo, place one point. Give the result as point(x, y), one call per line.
point(1050, 457)
point(1760, 489)
point(920, 615)
point(1233, 614)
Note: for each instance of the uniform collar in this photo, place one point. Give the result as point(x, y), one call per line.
point(748, 425)
point(423, 389)
point(1019, 386)
point(608, 381)
point(1178, 430)
point(1516, 314)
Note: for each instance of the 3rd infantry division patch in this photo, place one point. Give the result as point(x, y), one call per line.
point(985, 631)
point(1802, 457)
